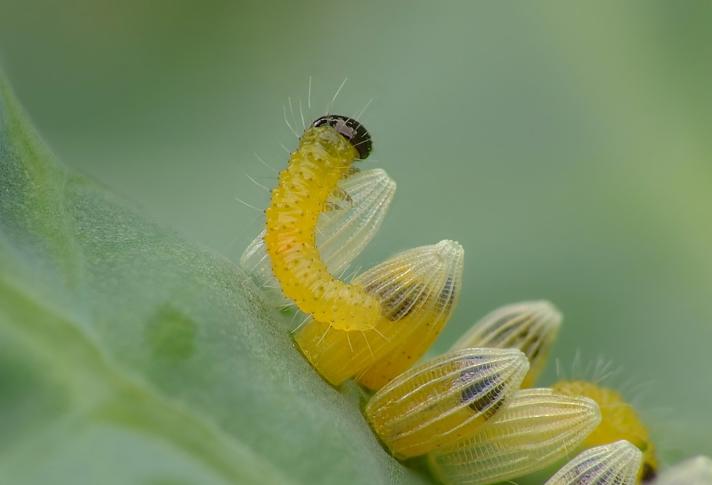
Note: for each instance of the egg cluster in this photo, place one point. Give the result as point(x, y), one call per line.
point(473, 413)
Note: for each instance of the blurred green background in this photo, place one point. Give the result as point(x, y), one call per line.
point(565, 145)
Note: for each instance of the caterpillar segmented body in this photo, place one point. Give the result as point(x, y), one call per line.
point(355, 212)
point(325, 155)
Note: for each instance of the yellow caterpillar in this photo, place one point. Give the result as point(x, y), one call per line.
point(325, 155)
point(620, 421)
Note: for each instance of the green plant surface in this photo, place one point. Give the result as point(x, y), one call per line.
point(130, 356)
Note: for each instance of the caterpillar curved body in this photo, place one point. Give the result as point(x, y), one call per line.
point(325, 155)
point(356, 211)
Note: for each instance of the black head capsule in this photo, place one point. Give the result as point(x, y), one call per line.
point(351, 129)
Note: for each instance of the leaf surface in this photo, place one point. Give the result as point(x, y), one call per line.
point(130, 356)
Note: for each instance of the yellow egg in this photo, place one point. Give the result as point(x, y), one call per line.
point(620, 421)
point(529, 326)
point(445, 399)
point(417, 290)
point(615, 464)
point(536, 429)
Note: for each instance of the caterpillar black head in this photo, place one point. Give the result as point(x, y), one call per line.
point(351, 129)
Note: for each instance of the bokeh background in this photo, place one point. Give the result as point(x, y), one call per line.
point(566, 145)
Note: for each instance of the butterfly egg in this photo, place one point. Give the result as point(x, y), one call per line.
point(324, 157)
point(436, 300)
point(416, 289)
point(693, 471)
point(620, 421)
point(529, 326)
point(355, 213)
point(537, 428)
point(614, 464)
point(444, 399)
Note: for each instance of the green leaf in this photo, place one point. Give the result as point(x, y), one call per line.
point(129, 356)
